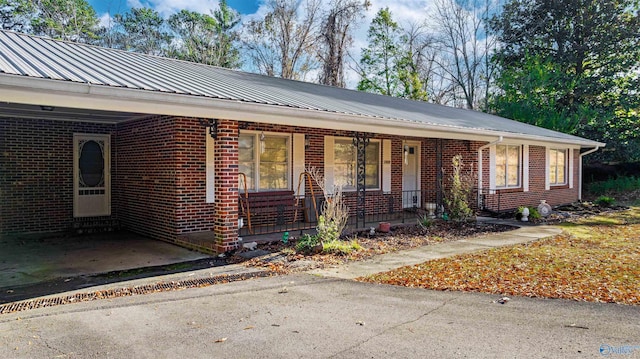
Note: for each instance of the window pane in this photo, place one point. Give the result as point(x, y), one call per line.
point(514, 155)
point(552, 175)
point(247, 168)
point(91, 165)
point(344, 164)
point(561, 166)
point(501, 155)
point(372, 177)
point(507, 166)
point(246, 161)
point(274, 163)
point(275, 150)
point(513, 175)
point(273, 175)
point(553, 156)
point(501, 176)
point(245, 148)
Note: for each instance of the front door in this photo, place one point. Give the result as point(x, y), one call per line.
point(411, 176)
point(92, 175)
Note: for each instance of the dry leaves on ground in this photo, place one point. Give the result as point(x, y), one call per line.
point(595, 259)
point(400, 238)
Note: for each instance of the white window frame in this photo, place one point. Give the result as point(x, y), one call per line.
point(565, 169)
point(353, 189)
point(256, 148)
point(494, 166)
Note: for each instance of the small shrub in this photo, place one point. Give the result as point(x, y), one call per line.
point(307, 243)
point(424, 221)
point(533, 213)
point(341, 247)
point(457, 196)
point(604, 201)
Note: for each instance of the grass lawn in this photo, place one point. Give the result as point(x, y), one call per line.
point(596, 259)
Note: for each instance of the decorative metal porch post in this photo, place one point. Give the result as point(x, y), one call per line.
point(360, 141)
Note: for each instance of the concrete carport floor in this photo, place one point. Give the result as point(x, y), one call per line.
point(31, 266)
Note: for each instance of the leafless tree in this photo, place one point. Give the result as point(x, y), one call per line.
point(335, 38)
point(464, 48)
point(283, 42)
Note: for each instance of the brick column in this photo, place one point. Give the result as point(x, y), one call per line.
point(225, 225)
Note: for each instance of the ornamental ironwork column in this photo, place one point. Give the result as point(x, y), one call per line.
point(360, 141)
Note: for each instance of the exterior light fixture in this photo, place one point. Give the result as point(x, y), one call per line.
point(262, 143)
point(406, 154)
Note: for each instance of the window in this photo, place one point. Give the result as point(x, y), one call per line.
point(557, 166)
point(345, 164)
point(507, 166)
point(264, 159)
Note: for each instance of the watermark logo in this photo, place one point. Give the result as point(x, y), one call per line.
point(607, 350)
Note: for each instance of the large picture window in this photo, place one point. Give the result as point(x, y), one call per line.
point(507, 166)
point(264, 159)
point(345, 164)
point(557, 166)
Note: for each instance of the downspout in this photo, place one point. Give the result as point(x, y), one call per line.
point(500, 139)
point(580, 171)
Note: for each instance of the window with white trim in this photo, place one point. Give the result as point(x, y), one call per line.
point(557, 167)
point(265, 161)
point(345, 164)
point(508, 166)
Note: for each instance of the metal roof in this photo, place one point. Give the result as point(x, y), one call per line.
point(41, 58)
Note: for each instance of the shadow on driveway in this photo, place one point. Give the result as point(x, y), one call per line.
point(32, 267)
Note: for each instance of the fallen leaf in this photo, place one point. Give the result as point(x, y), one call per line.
point(221, 340)
point(249, 327)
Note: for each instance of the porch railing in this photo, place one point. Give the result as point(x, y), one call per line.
point(273, 212)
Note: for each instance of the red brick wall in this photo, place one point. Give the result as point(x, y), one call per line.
point(36, 167)
point(510, 199)
point(145, 186)
point(226, 184)
point(159, 174)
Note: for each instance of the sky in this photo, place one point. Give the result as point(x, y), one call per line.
point(404, 12)
point(168, 7)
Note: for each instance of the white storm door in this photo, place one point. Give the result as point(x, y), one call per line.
point(91, 175)
point(411, 177)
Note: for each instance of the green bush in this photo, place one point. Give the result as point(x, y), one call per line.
point(458, 194)
point(307, 243)
point(604, 201)
point(341, 247)
point(614, 185)
point(424, 221)
point(533, 213)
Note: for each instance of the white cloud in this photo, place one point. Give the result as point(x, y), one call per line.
point(106, 20)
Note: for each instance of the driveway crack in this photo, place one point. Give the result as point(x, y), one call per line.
point(421, 316)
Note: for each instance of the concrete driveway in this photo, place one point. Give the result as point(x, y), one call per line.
point(28, 261)
point(305, 316)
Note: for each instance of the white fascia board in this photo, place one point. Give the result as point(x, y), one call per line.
point(36, 91)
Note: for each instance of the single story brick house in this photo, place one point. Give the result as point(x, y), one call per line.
point(93, 137)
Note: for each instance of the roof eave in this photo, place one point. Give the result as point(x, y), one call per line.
point(38, 91)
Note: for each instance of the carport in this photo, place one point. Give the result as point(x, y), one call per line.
point(37, 265)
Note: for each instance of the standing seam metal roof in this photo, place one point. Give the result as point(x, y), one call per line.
point(37, 57)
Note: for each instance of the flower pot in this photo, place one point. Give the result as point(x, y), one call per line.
point(384, 227)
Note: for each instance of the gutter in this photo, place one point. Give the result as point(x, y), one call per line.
point(580, 170)
point(482, 148)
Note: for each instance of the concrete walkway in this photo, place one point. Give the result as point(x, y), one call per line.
point(389, 261)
